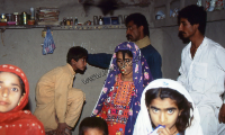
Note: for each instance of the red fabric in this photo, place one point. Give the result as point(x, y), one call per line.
point(116, 129)
point(115, 109)
point(17, 121)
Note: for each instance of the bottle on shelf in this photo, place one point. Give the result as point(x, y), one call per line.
point(95, 20)
point(68, 21)
point(64, 21)
point(24, 14)
point(75, 21)
point(100, 21)
point(71, 21)
point(16, 18)
point(32, 13)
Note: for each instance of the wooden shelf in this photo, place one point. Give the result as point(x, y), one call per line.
point(91, 27)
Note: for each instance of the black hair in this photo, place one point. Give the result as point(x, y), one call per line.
point(21, 82)
point(195, 15)
point(76, 53)
point(138, 20)
point(183, 120)
point(93, 122)
point(22, 85)
point(124, 52)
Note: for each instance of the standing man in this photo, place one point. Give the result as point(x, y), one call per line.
point(202, 70)
point(58, 104)
point(137, 32)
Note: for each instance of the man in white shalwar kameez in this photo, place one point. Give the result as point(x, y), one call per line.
point(202, 70)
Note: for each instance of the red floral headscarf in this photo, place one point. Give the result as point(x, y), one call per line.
point(16, 70)
point(18, 121)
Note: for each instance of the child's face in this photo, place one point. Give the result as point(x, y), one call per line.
point(164, 112)
point(80, 64)
point(93, 131)
point(10, 91)
point(125, 65)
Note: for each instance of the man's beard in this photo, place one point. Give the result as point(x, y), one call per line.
point(184, 39)
point(129, 37)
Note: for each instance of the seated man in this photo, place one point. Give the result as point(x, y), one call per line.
point(58, 104)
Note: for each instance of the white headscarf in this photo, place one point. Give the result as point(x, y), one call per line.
point(143, 125)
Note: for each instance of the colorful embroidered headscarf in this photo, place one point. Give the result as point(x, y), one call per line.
point(143, 124)
point(18, 121)
point(141, 77)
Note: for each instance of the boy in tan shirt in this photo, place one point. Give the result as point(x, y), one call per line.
point(58, 104)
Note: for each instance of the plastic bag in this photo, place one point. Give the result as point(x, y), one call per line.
point(49, 45)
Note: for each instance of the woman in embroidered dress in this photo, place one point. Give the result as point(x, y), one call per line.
point(119, 101)
point(167, 104)
point(14, 91)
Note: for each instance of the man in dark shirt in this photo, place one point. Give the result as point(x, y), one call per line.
point(137, 32)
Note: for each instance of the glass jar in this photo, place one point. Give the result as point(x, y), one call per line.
point(68, 21)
